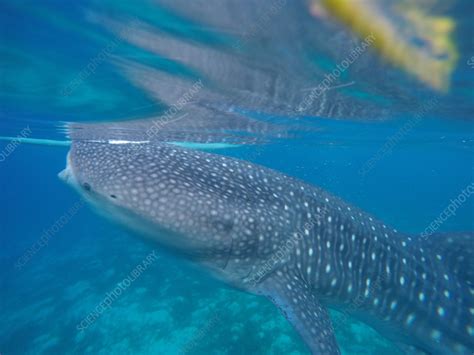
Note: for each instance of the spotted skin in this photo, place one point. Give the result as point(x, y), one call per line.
point(301, 247)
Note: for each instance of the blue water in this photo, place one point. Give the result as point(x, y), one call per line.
point(172, 307)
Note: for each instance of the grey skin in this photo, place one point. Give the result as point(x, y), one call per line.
point(294, 243)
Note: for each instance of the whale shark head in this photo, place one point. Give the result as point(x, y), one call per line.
point(156, 191)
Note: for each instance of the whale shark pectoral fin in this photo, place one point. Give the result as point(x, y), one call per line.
point(303, 310)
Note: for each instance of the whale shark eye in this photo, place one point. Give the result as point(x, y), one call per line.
point(86, 186)
point(113, 196)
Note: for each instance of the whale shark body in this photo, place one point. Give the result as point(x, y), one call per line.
point(276, 236)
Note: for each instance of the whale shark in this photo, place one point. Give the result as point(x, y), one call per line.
point(303, 248)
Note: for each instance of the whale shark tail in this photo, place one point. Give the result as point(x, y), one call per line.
point(452, 263)
point(456, 252)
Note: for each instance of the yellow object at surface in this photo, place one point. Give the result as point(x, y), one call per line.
point(405, 34)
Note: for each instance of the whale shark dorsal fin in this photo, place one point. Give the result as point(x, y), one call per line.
point(302, 309)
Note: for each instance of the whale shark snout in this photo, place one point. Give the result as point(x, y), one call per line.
point(65, 174)
point(297, 245)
